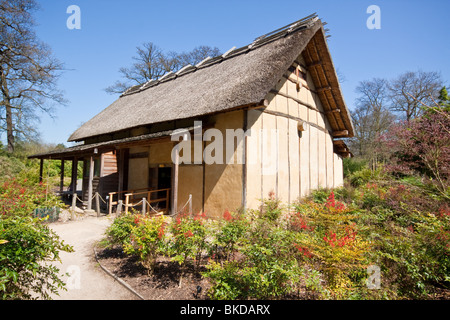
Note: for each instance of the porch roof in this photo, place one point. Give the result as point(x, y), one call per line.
point(88, 149)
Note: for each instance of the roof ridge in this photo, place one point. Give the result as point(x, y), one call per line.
point(304, 23)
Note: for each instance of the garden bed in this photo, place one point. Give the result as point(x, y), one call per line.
point(162, 284)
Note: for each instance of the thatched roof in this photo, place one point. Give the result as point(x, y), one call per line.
point(242, 77)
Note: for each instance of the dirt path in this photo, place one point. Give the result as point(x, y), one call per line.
point(87, 281)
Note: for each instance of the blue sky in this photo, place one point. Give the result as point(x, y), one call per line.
point(414, 35)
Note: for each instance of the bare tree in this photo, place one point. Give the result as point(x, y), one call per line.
point(152, 63)
point(409, 88)
point(371, 116)
point(198, 54)
point(28, 72)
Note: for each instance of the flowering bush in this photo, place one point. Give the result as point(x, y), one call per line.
point(231, 233)
point(146, 239)
point(188, 239)
point(321, 246)
point(330, 238)
point(17, 198)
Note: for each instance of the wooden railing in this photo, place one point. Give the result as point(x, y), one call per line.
point(134, 196)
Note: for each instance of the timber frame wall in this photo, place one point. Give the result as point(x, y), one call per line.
point(305, 155)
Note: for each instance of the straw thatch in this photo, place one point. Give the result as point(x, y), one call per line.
point(242, 77)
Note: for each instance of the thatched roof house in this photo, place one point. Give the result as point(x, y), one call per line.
point(283, 80)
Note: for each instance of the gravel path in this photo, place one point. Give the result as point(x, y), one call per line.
point(87, 281)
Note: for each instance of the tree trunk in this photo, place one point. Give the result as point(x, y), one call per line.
point(9, 128)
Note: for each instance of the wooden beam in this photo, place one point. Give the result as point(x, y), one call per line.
point(332, 111)
point(314, 64)
point(285, 115)
point(323, 89)
point(309, 106)
point(340, 133)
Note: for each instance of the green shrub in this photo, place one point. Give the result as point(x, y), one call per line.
point(266, 267)
point(187, 240)
point(271, 209)
point(231, 234)
point(118, 233)
point(352, 165)
point(26, 249)
point(147, 239)
point(361, 177)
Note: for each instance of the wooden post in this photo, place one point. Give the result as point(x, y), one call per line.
point(175, 173)
point(61, 179)
point(41, 170)
point(74, 205)
point(144, 206)
point(97, 203)
point(190, 203)
point(74, 175)
point(110, 202)
point(91, 178)
point(167, 201)
point(119, 208)
point(175, 182)
point(120, 168)
point(127, 202)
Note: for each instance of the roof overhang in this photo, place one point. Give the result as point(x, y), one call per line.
point(102, 147)
point(321, 68)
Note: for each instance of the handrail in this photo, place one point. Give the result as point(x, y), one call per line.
point(149, 200)
point(112, 194)
point(129, 194)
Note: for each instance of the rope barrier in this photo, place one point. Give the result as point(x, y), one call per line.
point(176, 213)
point(152, 208)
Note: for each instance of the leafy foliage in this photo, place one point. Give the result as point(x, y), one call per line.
point(321, 246)
point(421, 146)
point(146, 239)
point(25, 252)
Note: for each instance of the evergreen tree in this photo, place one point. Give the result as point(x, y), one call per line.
point(444, 99)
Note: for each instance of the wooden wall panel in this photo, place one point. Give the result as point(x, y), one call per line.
point(329, 161)
point(254, 187)
point(269, 156)
point(283, 159)
point(321, 145)
point(313, 157)
point(224, 182)
point(294, 161)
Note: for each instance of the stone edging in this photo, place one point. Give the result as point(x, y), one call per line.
point(123, 283)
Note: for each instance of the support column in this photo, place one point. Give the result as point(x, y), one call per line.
point(61, 179)
point(120, 167)
point(74, 176)
point(91, 178)
point(175, 181)
point(41, 169)
point(176, 159)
